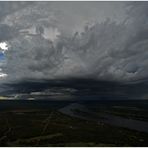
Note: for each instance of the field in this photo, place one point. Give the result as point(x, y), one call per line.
point(49, 127)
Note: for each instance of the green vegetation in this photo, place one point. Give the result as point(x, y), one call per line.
point(127, 112)
point(52, 128)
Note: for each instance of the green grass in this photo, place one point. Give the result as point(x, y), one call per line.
point(37, 128)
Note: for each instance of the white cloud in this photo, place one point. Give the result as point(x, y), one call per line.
point(2, 75)
point(3, 46)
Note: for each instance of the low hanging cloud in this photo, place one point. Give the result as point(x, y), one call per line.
point(106, 50)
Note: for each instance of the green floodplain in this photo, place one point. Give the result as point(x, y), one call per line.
point(48, 126)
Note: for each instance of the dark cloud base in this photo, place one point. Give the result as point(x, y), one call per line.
point(80, 89)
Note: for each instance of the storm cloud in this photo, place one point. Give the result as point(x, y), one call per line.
point(101, 40)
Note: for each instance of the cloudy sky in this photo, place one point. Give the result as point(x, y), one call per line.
point(50, 40)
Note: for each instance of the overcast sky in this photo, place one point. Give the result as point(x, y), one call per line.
point(110, 44)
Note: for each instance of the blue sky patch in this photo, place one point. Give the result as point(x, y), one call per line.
point(2, 56)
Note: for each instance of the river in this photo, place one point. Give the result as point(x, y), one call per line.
point(81, 112)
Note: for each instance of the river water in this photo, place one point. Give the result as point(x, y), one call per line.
point(81, 112)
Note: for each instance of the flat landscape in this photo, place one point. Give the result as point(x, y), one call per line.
point(26, 123)
point(73, 74)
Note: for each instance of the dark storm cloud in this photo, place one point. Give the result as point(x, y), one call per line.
point(7, 32)
point(8, 7)
point(111, 47)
